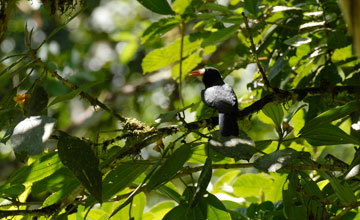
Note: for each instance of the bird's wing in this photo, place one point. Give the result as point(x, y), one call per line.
point(221, 97)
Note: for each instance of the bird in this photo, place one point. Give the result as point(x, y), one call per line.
point(220, 96)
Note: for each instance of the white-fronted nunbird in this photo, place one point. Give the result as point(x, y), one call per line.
point(220, 96)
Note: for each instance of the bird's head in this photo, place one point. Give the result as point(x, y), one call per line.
point(210, 76)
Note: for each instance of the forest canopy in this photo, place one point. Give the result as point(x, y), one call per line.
point(100, 119)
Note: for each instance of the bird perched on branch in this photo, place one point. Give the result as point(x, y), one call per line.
point(220, 96)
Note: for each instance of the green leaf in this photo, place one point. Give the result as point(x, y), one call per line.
point(330, 115)
point(252, 6)
point(121, 177)
point(54, 182)
point(328, 74)
point(220, 35)
point(328, 134)
point(261, 145)
point(312, 188)
point(216, 7)
point(37, 103)
point(30, 134)
point(128, 52)
point(225, 181)
point(180, 6)
point(215, 208)
point(177, 213)
point(342, 189)
point(297, 41)
point(166, 56)
point(203, 182)
point(337, 40)
point(158, 6)
point(188, 64)
point(170, 167)
point(342, 54)
point(313, 25)
point(239, 148)
point(156, 29)
point(11, 190)
point(275, 112)
point(251, 185)
point(169, 192)
point(171, 115)
point(65, 190)
point(74, 93)
point(276, 69)
point(78, 156)
point(41, 168)
point(138, 206)
point(281, 8)
point(354, 169)
point(278, 159)
point(292, 210)
point(158, 211)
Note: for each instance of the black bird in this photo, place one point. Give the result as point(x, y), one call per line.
point(219, 95)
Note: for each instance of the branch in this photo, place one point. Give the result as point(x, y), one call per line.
point(129, 124)
point(282, 96)
point(47, 211)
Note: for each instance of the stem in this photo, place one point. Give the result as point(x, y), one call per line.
point(253, 49)
point(182, 30)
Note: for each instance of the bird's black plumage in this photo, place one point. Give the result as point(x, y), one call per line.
point(219, 95)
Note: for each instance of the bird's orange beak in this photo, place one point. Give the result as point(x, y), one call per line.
point(197, 72)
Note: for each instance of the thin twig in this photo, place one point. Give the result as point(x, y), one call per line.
point(254, 52)
point(182, 32)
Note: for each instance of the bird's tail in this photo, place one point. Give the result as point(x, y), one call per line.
point(228, 125)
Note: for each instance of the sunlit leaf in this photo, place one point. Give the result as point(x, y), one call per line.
point(241, 147)
point(166, 56)
point(41, 168)
point(216, 7)
point(30, 134)
point(328, 134)
point(297, 41)
point(251, 185)
point(342, 54)
point(280, 8)
point(188, 64)
point(66, 190)
point(160, 27)
point(275, 112)
point(180, 6)
point(220, 35)
point(330, 115)
point(278, 159)
point(158, 211)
